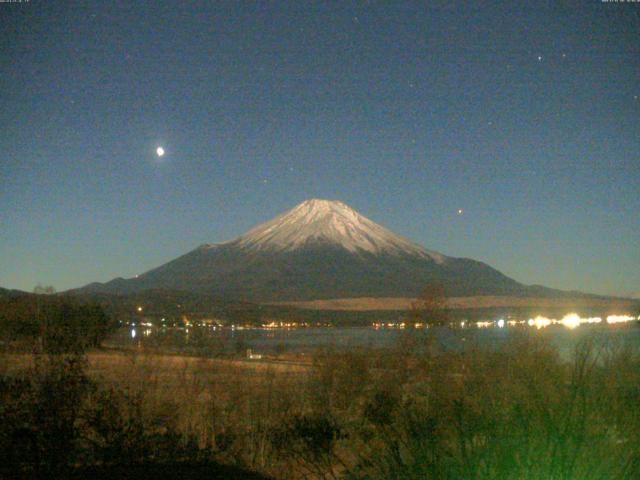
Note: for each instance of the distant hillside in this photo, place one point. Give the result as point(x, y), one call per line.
point(174, 305)
point(5, 293)
point(613, 305)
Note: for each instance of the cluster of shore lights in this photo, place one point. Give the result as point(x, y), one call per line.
point(573, 320)
point(275, 324)
point(570, 320)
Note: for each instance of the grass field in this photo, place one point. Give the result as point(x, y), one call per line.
point(411, 411)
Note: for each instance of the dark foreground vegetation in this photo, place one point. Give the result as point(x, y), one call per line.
point(414, 411)
point(518, 412)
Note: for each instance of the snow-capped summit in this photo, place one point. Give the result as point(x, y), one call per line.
point(332, 222)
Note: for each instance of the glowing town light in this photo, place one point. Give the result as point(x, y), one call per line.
point(542, 322)
point(531, 322)
point(619, 318)
point(139, 309)
point(483, 324)
point(571, 320)
point(501, 323)
point(133, 333)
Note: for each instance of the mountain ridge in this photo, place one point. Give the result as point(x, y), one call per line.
point(320, 249)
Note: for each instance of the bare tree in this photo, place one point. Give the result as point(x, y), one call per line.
point(44, 289)
point(430, 308)
point(40, 289)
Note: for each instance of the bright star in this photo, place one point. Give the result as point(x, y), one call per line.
point(160, 151)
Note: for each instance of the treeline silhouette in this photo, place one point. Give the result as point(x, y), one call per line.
point(52, 324)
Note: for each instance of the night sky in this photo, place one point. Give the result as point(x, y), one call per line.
point(526, 115)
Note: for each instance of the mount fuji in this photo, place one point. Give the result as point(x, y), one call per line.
point(320, 249)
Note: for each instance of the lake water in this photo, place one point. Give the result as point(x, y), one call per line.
point(206, 340)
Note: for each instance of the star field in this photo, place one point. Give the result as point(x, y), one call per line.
point(504, 133)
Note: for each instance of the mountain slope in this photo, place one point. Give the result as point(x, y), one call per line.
point(318, 250)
